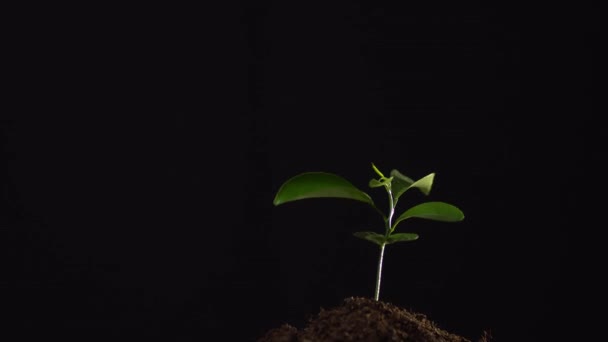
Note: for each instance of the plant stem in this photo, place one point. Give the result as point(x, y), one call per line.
point(379, 273)
point(391, 212)
point(389, 223)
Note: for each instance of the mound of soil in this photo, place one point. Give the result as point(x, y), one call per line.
point(364, 319)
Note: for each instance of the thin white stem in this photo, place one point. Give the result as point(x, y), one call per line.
point(379, 274)
point(389, 223)
point(391, 212)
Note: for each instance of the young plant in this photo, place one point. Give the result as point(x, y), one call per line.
point(324, 184)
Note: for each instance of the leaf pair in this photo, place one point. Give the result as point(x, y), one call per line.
point(323, 184)
point(380, 240)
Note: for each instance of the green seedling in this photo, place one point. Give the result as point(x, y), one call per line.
point(323, 184)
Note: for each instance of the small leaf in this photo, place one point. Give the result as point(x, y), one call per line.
point(401, 237)
point(374, 183)
point(437, 211)
point(376, 238)
point(425, 183)
point(400, 183)
point(395, 173)
point(403, 183)
point(316, 185)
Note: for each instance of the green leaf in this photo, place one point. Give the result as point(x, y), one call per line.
point(377, 171)
point(403, 183)
point(437, 211)
point(376, 238)
point(319, 184)
point(401, 237)
point(375, 183)
point(400, 183)
point(395, 173)
point(425, 183)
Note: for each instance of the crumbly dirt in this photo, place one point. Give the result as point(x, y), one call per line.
point(365, 320)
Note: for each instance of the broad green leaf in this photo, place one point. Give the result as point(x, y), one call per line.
point(437, 211)
point(401, 237)
point(376, 238)
point(319, 184)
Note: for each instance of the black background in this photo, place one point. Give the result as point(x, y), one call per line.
point(142, 149)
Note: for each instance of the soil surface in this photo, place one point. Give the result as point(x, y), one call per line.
point(364, 319)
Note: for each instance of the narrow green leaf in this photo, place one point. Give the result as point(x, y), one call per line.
point(319, 184)
point(401, 237)
point(376, 238)
point(377, 171)
point(437, 211)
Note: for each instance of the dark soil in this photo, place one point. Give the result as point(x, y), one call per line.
point(363, 319)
